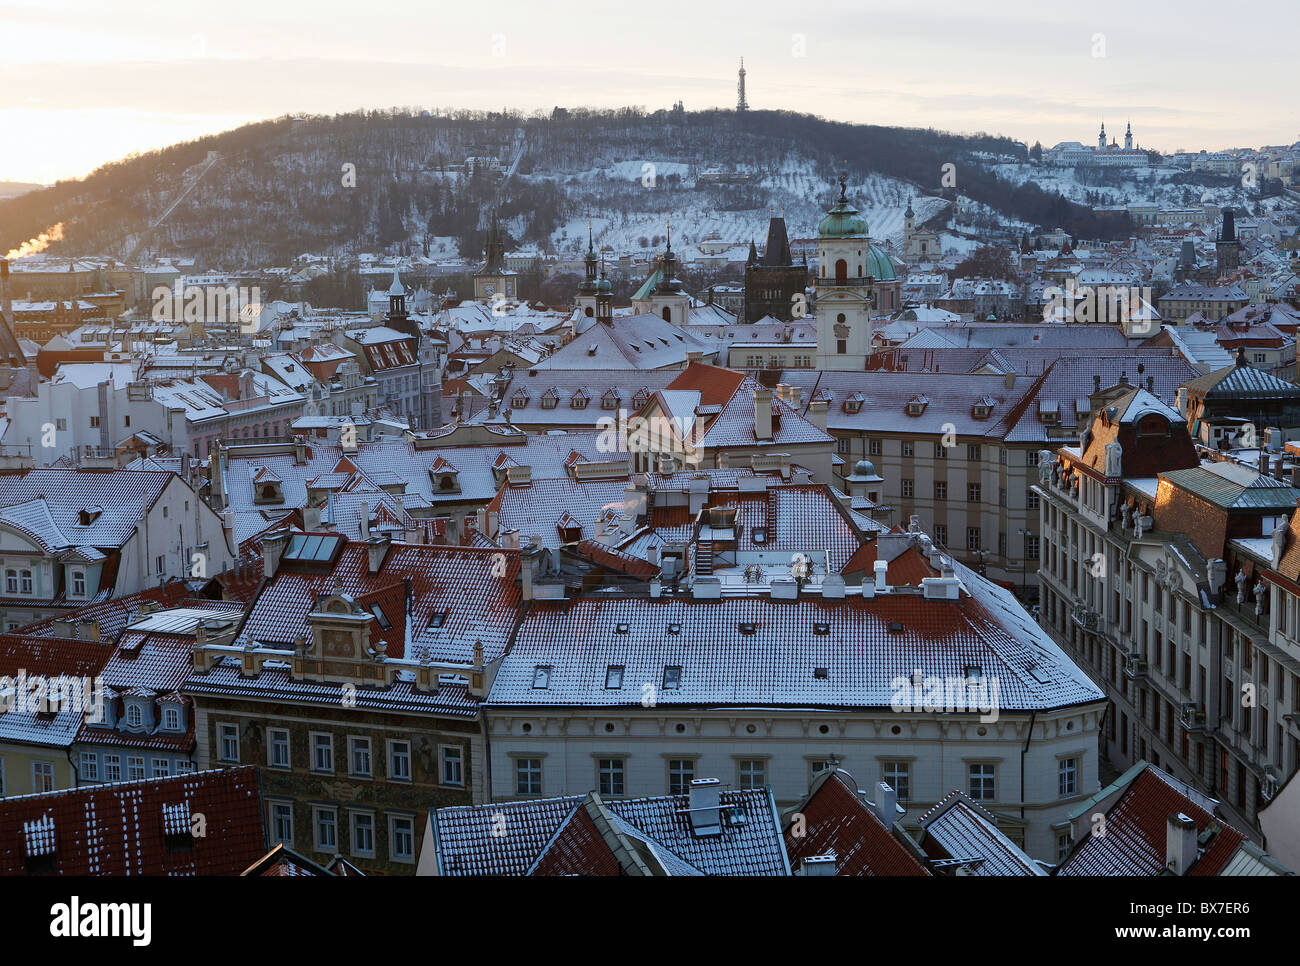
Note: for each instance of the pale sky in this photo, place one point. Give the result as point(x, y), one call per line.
point(88, 81)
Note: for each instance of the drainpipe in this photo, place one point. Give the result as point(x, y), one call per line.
point(1028, 738)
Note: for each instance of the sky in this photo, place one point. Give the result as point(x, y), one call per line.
point(87, 82)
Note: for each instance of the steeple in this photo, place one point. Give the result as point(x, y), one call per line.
point(1101, 138)
point(588, 286)
point(604, 297)
point(1128, 137)
point(668, 266)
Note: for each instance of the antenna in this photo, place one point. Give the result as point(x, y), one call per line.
point(742, 105)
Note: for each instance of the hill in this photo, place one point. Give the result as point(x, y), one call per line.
point(267, 192)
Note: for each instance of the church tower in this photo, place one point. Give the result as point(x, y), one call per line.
point(1128, 137)
point(773, 281)
point(494, 279)
point(398, 318)
point(586, 300)
point(667, 299)
point(844, 287)
point(1101, 138)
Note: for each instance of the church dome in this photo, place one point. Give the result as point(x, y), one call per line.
point(604, 286)
point(880, 265)
point(842, 221)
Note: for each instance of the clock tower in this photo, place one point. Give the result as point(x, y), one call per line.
point(845, 296)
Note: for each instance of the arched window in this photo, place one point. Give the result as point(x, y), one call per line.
point(590, 311)
point(841, 271)
point(668, 314)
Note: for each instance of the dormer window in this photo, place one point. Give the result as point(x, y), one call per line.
point(550, 399)
point(134, 715)
point(916, 405)
point(89, 515)
point(610, 400)
point(853, 403)
point(519, 401)
point(982, 409)
point(542, 677)
point(437, 619)
point(579, 400)
point(79, 583)
point(171, 717)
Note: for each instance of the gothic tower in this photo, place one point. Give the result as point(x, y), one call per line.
point(1227, 247)
point(773, 280)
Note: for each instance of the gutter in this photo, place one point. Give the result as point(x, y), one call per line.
point(1028, 738)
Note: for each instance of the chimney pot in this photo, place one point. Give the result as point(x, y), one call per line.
point(1180, 843)
point(881, 569)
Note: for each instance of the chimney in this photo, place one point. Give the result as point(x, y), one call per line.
point(1009, 380)
point(377, 549)
point(365, 521)
point(299, 451)
point(452, 530)
point(311, 517)
point(818, 864)
point(886, 807)
point(763, 413)
point(652, 555)
point(273, 545)
point(817, 413)
point(1180, 844)
point(706, 806)
point(882, 570)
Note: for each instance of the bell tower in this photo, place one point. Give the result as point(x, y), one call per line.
point(844, 287)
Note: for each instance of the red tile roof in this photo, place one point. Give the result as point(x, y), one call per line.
point(138, 828)
point(578, 849)
point(836, 819)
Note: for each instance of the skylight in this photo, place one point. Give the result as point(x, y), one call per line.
point(542, 676)
point(672, 677)
point(614, 677)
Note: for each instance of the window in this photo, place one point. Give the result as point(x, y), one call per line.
point(26, 581)
point(171, 718)
point(399, 761)
point(973, 541)
point(89, 766)
point(843, 444)
point(94, 422)
point(363, 834)
point(528, 776)
point(542, 676)
point(79, 583)
point(672, 677)
point(401, 838)
point(614, 677)
point(908, 489)
point(1031, 457)
point(752, 773)
point(898, 776)
point(282, 823)
point(940, 451)
point(973, 452)
point(940, 490)
point(134, 716)
point(941, 534)
point(982, 785)
point(873, 447)
point(42, 776)
point(11, 581)
point(680, 773)
point(278, 748)
point(60, 424)
point(134, 768)
point(112, 768)
point(359, 756)
point(453, 771)
point(1068, 776)
point(1063, 845)
point(1031, 546)
point(1031, 500)
point(909, 448)
point(609, 775)
point(322, 753)
point(159, 768)
point(229, 742)
point(325, 821)
point(972, 493)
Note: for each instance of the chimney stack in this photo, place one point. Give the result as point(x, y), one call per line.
point(882, 570)
point(818, 865)
point(377, 549)
point(763, 413)
point(273, 545)
point(886, 807)
point(1180, 844)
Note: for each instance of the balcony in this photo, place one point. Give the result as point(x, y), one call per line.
point(1192, 717)
point(1135, 667)
point(1089, 620)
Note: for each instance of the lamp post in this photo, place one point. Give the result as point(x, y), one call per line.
point(1024, 562)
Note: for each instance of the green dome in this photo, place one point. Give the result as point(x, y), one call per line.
point(604, 285)
point(842, 221)
point(880, 266)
